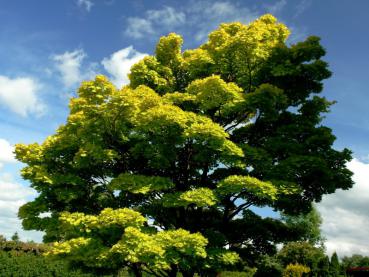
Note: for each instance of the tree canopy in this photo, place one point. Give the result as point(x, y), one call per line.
point(160, 175)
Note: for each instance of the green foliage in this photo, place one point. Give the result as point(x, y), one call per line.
point(334, 265)
point(250, 272)
point(15, 237)
point(159, 175)
point(213, 93)
point(140, 183)
point(19, 258)
point(323, 267)
point(18, 246)
point(246, 187)
point(269, 266)
point(302, 253)
point(14, 264)
point(157, 250)
point(306, 226)
point(201, 197)
point(355, 260)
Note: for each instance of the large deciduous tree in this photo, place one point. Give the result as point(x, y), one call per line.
point(161, 174)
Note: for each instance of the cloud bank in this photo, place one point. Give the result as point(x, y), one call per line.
point(346, 215)
point(21, 95)
point(12, 196)
point(6, 152)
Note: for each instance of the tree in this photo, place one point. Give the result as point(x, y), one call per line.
point(323, 267)
point(15, 237)
point(355, 260)
point(334, 265)
point(160, 175)
point(302, 253)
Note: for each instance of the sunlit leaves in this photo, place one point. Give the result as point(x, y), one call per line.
point(200, 197)
point(168, 50)
point(295, 270)
point(243, 186)
point(219, 258)
point(29, 154)
point(89, 251)
point(197, 63)
point(140, 183)
point(158, 250)
point(239, 50)
point(108, 217)
point(213, 93)
point(151, 73)
point(161, 250)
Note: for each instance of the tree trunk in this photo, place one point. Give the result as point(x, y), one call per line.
point(173, 272)
point(187, 273)
point(136, 271)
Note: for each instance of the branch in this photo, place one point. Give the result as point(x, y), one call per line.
point(245, 116)
point(228, 206)
point(239, 209)
point(204, 174)
point(149, 271)
point(236, 196)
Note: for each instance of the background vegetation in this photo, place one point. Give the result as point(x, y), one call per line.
point(300, 258)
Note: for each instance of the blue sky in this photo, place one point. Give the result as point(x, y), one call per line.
point(48, 47)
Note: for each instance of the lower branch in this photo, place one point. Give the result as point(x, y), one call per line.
point(239, 209)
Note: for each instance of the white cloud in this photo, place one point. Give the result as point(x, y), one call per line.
point(118, 65)
point(153, 21)
point(346, 215)
point(85, 4)
point(69, 66)
point(301, 7)
point(297, 34)
point(167, 16)
point(12, 196)
point(20, 95)
point(6, 152)
point(139, 27)
point(276, 7)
